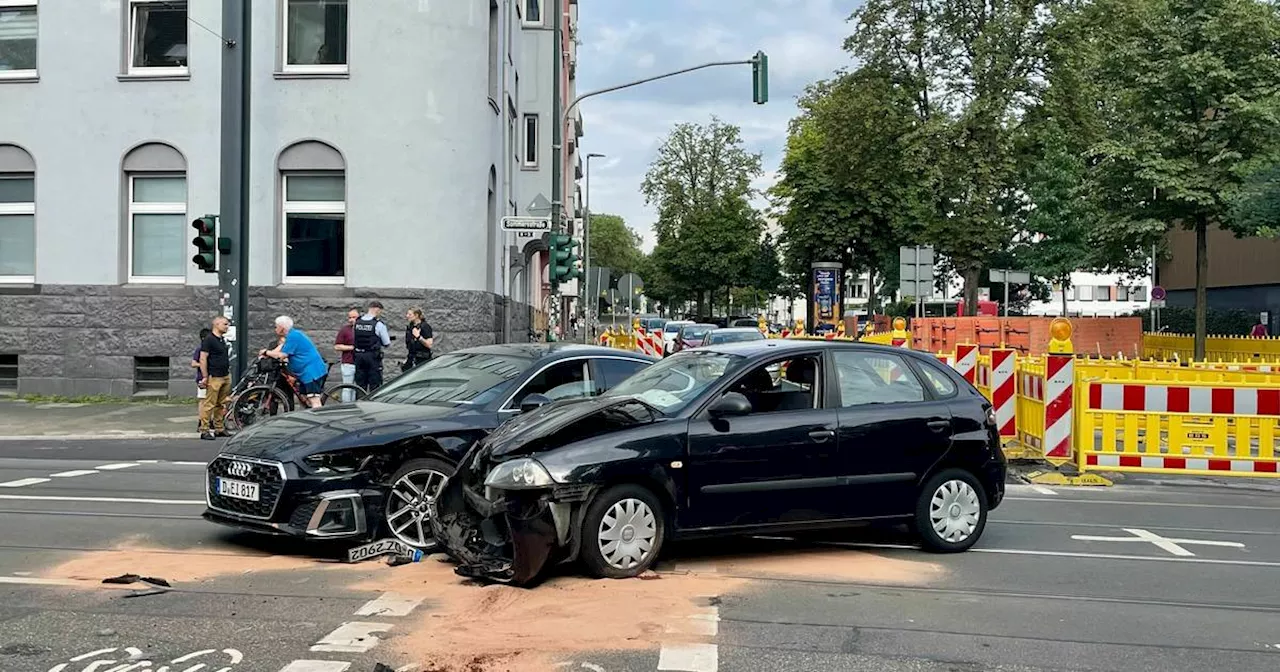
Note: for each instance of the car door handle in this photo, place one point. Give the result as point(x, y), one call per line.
point(939, 425)
point(821, 435)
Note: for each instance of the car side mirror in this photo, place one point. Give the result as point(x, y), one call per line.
point(731, 404)
point(533, 402)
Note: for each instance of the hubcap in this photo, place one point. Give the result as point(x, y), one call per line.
point(627, 534)
point(409, 506)
point(954, 511)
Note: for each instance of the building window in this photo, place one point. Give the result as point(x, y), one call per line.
point(493, 52)
point(315, 213)
point(158, 37)
point(1103, 293)
point(513, 136)
point(17, 227)
point(18, 33)
point(1122, 293)
point(1139, 294)
point(530, 141)
point(315, 36)
point(158, 228)
point(533, 12)
point(1085, 292)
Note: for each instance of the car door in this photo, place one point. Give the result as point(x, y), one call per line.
point(609, 371)
point(778, 464)
point(892, 428)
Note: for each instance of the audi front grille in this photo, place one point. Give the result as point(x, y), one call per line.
point(267, 474)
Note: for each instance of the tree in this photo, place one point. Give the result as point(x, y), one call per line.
point(700, 183)
point(1188, 89)
point(969, 68)
point(1257, 208)
point(613, 244)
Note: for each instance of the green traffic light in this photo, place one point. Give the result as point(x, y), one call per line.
point(760, 78)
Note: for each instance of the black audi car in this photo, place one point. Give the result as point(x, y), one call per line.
point(359, 470)
point(744, 438)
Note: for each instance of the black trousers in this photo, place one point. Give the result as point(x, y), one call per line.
point(369, 369)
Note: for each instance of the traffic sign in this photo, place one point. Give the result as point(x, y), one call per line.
point(916, 271)
point(1011, 277)
point(516, 223)
point(1158, 293)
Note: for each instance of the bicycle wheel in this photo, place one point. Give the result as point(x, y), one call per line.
point(343, 394)
point(255, 403)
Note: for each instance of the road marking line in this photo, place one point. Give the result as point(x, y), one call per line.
point(22, 483)
point(111, 500)
point(389, 604)
point(191, 464)
point(352, 637)
point(1042, 490)
point(1164, 543)
point(118, 465)
point(1141, 503)
point(689, 658)
point(1064, 554)
point(148, 461)
point(73, 473)
point(316, 666)
point(32, 581)
point(704, 622)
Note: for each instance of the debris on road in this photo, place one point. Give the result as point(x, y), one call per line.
point(156, 581)
point(649, 575)
point(123, 579)
point(397, 560)
point(145, 593)
point(381, 547)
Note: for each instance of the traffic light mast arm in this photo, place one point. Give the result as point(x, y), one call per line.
point(569, 110)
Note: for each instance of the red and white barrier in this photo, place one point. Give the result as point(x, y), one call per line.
point(1182, 463)
point(1032, 387)
point(967, 362)
point(1003, 397)
point(1181, 399)
point(1059, 386)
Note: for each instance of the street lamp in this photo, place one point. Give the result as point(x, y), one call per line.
point(586, 256)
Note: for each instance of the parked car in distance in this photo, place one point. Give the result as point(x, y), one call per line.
point(652, 323)
point(670, 331)
point(691, 335)
point(708, 443)
point(367, 469)
point(745, 322)
point(732, 335)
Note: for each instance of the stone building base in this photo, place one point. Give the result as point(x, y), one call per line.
point(83, 340)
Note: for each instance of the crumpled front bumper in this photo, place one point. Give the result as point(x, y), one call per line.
point(506, 536)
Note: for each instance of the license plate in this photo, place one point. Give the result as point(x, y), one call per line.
point(238, 489)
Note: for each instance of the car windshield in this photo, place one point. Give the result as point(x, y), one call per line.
point(456, 378)
point(717, 337)
point(673, 383)
point(673, 327)
point(696, 332)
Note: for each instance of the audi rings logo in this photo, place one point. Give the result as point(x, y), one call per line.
point(241, 469)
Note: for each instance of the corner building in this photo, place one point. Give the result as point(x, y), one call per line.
point(384, 141)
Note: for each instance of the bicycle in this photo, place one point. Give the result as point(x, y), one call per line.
point(267, 389)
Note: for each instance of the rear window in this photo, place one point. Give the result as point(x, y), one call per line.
point(734, 337)
point(672, 327)
point(696, 332)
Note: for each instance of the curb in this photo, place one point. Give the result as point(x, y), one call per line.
point(102, 436)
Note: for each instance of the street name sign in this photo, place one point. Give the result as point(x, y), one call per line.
point(516, 223)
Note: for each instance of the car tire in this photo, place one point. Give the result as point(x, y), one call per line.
point(417, 472)
point(636, 514)
point(955, 501)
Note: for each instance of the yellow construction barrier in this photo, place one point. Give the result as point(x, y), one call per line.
point(1217, 348)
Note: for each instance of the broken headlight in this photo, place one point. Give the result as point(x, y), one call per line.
point(521, 474)
point(338, 462)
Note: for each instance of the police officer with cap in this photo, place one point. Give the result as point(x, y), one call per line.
point(371, 336)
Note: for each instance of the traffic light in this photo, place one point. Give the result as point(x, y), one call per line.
point(760, 78)
point(206, 243)
point(564, 262)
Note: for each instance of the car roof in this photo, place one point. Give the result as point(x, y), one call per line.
point(702, 324)
point(554, 351)
point(738, 330)
point(775, 345)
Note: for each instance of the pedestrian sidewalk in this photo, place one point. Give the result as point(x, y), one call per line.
point(80, 421)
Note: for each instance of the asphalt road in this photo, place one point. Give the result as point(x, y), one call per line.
point(1133, 578)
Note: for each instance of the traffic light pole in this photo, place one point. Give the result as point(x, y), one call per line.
point(233, 275)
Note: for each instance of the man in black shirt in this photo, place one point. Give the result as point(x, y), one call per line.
point(215, 370)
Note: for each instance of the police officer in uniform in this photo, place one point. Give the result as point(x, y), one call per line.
point(371, 336)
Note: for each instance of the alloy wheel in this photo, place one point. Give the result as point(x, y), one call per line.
point(409, 506)
point(627, 533)
point(954, 511)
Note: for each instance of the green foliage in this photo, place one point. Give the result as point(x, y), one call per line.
point(707, 230)
point(1182, 320)
point(1257, 207)
point(614, 245)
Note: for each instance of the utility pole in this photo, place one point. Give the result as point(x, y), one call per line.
point(233, 277)
point(557, 151)
point(590, 300)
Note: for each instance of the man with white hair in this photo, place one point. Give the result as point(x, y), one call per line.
point(305, 361)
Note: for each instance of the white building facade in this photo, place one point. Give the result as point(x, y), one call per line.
point(386, 145)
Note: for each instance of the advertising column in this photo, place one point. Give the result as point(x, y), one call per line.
point(826, 307)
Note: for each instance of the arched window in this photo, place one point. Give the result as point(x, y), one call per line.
point(313, 220)
point(17, 215)
point(156, 183)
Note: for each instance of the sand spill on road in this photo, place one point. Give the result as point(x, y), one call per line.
point(174, 565)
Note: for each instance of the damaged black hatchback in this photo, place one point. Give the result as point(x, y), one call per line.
point(744, 438)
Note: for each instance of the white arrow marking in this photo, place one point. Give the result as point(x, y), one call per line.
point(1173, 546)
point(353, 637)
point(390, 604)
point(189, 656)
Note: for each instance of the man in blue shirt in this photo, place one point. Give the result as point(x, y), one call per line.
point(305, 361)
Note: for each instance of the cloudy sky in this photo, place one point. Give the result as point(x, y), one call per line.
point(625, 40)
